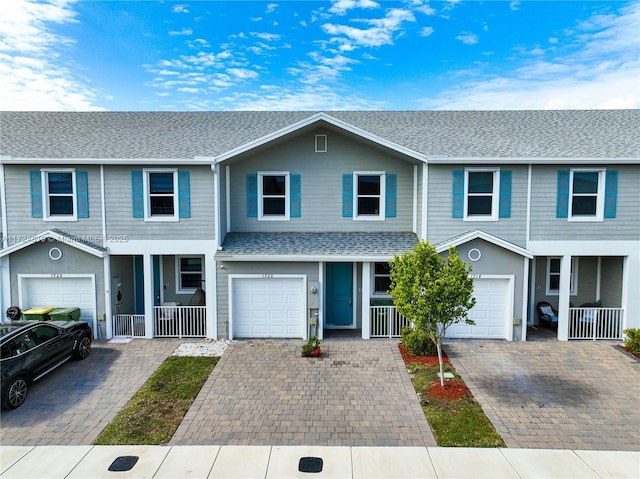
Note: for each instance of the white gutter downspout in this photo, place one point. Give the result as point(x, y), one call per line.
point(211, 271)
point(3, 201)
point(425, 191)
point(415, 199)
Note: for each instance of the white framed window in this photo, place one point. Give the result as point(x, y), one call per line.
point(369, 197)
point(59, 198)
point(321, 143)
point(273, 195)
point(381, 279)
point(586, 195)
point(553, 276)
point(189, 273)
point(160, 194)
point(482, 187)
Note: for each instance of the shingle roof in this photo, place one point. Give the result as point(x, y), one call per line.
point(315, 244)
point(185, 135)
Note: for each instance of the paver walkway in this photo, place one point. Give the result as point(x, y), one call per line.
point(71, 406)
point(556, 395)
point(263, 393)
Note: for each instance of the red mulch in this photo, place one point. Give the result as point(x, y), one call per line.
point(631, 352)
point(453, 390)
point(426, 360)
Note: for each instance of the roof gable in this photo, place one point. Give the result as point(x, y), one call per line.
point(478, 234)
point(60, 237)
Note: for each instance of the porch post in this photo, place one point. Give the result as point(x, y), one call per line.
point(210, 274)
point(149, 302)
point(563, 298)
point(630, 300)
point(108, 295)
point(366, 294)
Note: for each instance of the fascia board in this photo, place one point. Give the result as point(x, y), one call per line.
point(107, 161)
point(301, 258)
point(51, 234)
point(468, 160)
point(472, 235)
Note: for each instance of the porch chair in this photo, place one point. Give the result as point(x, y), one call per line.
point(547, 315)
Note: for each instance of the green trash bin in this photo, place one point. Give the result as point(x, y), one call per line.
point(65, 314)
point(38, 313)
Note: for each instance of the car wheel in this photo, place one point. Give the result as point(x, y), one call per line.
point(83, 348)
point(16, 393)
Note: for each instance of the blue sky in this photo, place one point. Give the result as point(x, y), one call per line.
point(319, 55)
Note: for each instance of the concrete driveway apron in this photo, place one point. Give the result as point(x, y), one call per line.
point(263, 393)
point(72, 405)
point(555, 395)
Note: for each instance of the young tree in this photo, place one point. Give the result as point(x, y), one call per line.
point(432, 290)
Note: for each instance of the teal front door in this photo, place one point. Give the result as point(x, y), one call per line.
point(339, 297)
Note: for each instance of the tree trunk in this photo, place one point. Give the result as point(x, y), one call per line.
point(439, 346)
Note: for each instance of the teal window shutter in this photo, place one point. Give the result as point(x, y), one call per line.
point(390, 200)
point(562, 205)
point(35, 178)
point(137, 198)
point(457, 200)
point(295, 207)
point(252, 196)
point(184, 194)
point(504, 210)
point(347, 195)
point(611, 194)
point(82, 194)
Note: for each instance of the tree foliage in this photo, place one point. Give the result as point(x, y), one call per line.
point(432, 290)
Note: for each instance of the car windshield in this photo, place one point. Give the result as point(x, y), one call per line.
point(6, 329)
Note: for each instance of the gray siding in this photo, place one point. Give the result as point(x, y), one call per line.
point(442, 226)
point(321, 185)
point(545, 225)
point(308, 269)
point(122, 268)
point(120, 220)
point(611, 282)
point(169, 280)
point(19, 219)
point(421, 200)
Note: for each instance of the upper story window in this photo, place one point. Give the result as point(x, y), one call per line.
point(59, 194)
point(481, 194)
point(273, 192)
point(586, 195)
point(161, 187)
point(189, 273)
point(553, 276)
point(381, 278)
point(161, 194)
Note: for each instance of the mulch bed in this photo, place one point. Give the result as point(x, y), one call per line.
point(630, 351)
point(453, 390)
point(426, 360)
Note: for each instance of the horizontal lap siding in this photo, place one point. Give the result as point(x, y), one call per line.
point(611, 287)
point(440, 224)
point(18, 193)
point(545, 225)
point(321, 185)
point(120, 221)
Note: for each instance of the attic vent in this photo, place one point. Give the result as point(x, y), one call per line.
point(321, 143)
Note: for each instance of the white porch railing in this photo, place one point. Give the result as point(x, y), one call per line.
point(595, 323)
point(128, 326)
point(180, 321)
point(386, 322)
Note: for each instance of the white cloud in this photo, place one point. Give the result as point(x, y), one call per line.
point(426, 31)
point(184, 31)
point(180, 8)
point(340, 7)
point(270, 37)
point(381, 33)
point(468, 38)
point(271, 7)
point(35, 72)
point(515, 5)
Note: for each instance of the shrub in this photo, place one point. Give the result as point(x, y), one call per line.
point(632, 340)
point(418, 343)
point(310, 348)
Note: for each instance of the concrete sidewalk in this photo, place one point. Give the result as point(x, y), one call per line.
point(281, 462)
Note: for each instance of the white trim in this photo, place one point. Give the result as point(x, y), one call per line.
point(103, 203)
point(495, 195)
point(471, 235)
point(107, 298)
point(584, 248)
point(372, 279)
point(178, 275)
point(383, 196)
point(528, 220)
point(21, 277)
point(573, 289)
point(446, 160)
point(365, 311)
point(320, 326)
point(318, 118)
point(148, 294)
point(425, 200)
point(216, 203)
point(599, 213)
point(302, 258)
point(211, 288)
point(599, 278)
point(5, 286)
point(3, 207)
point(228, 197)
point(147, 195)
point(168, 247)
point(46, 207)
point(415, 199)
point(354, 292)
point(319, 147)
point(303, 277)
point(287, 196)
point(198, 160)
point(525, 302)
point(45, 235)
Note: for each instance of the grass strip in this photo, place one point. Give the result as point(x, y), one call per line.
point(154, 413)
point(455, 422)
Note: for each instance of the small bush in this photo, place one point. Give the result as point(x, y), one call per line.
point(417, 342)
point(312, 345)
point(632, 340)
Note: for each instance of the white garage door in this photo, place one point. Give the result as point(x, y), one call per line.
point(66, 292)
point(490, 313)
point(268, 308)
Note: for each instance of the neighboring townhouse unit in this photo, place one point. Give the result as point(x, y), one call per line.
point(288, 219)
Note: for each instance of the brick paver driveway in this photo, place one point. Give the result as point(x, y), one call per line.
point(556, 395)
point(263, 393)
point(74, 404)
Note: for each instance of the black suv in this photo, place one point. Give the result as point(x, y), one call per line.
point(31, 349)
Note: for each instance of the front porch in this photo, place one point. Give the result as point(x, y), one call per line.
point(168, 322)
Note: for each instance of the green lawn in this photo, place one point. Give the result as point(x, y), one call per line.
point(455, 422)
point(154, 413)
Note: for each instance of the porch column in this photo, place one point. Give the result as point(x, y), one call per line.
point(630, 300)
point(108, 295)
point(149, 301)
point(365, 299)
point(5, 288)
point(210, 286)
point(564, 297)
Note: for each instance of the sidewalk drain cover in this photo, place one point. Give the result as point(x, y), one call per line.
point(310, 464)
point(123, 463)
